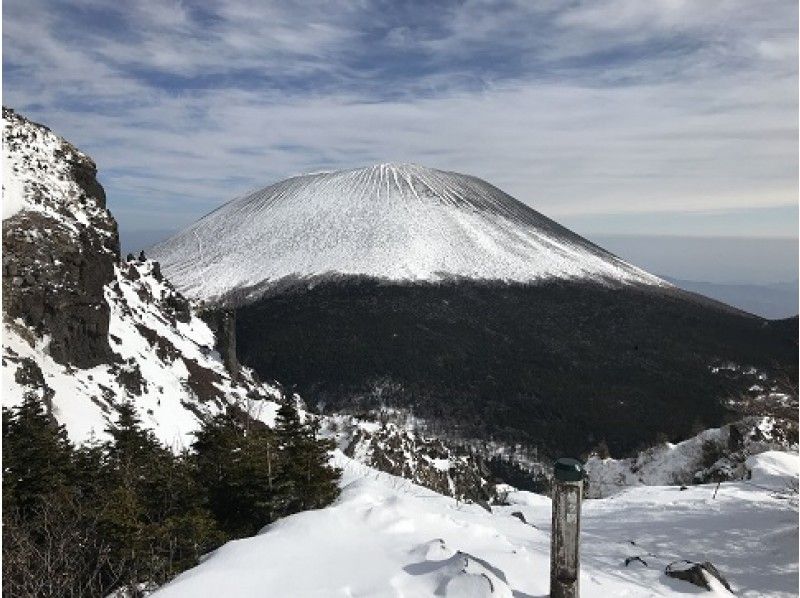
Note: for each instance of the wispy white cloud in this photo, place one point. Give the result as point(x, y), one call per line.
point(608, 106)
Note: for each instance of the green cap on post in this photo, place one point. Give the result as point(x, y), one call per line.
point(568, 469)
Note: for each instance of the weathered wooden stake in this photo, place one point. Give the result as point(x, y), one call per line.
point(566, 528)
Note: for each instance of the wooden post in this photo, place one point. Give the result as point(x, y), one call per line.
point(565, 533)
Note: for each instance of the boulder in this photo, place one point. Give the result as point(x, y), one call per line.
point(699, 574)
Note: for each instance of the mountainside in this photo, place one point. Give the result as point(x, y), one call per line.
point(390, 222)
point(85, 331)
point(561, 365)
point(162, 358)
point(437, 293)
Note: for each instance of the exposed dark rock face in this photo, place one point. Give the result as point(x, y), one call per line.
point(59, 250)
point(424, 460)
point(696, 573)
point(223, 323)
point(56, 286)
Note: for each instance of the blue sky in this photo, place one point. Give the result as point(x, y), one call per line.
point(664, 117)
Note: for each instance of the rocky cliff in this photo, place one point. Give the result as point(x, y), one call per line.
point(60, 242)
point(86, 331)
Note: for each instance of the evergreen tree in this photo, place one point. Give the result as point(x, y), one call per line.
point(136, 461)
point(130, 443)
point(288, 427)
point(50, 545)
point(237, 469)
point(128, 511)
point(319, 485)
point(36, 456)
point(88, 477)
point(154, 508)
point(309, 480)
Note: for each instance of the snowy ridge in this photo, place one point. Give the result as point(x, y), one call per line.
point(394, 222)
point(39, 176)
point(387, 537)
point(65, 289)
point(400, 448)
point(166, 364)
point(716, 454)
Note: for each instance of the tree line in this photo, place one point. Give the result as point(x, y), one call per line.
point(129, 513)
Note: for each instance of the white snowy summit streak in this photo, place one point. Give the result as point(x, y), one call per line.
point(391, 222)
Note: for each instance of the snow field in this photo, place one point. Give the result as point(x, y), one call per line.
point(386, 537)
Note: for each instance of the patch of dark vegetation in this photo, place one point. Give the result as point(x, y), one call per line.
point(194, 408)
point(178, 305)
point(560, 365)
point(124, 516)
point(103, 405)
point(29, 374)
point(223, 323)
point(509, 471)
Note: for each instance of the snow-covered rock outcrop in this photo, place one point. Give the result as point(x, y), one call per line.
point(59, 242)
point(713, 455)
point(163, 360)
point(405, 451)
point(86, 331)
point(396, 222)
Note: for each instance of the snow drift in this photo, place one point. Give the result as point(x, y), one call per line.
point(388, 537)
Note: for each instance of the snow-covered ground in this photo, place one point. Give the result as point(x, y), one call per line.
point(388, 537)
point(398, 222)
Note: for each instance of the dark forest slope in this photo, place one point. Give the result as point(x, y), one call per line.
point(561, 365)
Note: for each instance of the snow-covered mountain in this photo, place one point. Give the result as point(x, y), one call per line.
point(85, 330)
point(395, 222)
point(414, 288)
